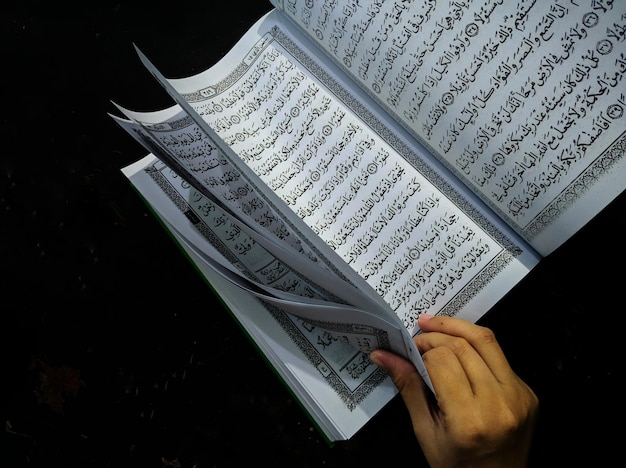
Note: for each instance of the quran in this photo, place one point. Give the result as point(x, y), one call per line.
point(348, 166)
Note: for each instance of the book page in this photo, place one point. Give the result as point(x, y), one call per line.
point(397, 225)
point(285, 278)
point(523, 101)
point(335, 382)
point(179, 142)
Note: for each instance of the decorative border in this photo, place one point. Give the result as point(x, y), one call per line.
point(221, 86)
point(352, 398)
point(603, 164)
point(480, 281)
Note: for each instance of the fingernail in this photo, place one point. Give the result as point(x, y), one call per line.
point(375, 358)
point(425, 316)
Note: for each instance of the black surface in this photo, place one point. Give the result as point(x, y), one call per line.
point(115, 353)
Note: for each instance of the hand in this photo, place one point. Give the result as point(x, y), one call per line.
point(482, 413)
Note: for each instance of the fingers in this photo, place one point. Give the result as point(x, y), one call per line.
point(482, 340)
point(457, 371)
point(464, 362)
point(453, 384)
point(482, 410)
point(406, 379)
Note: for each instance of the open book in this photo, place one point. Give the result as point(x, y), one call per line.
point(349, 166)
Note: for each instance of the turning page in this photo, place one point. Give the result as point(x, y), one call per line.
point(356, 185)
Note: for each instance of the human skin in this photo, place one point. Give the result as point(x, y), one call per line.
point(481, 414)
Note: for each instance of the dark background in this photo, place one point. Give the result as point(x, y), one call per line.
point(115, 353)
